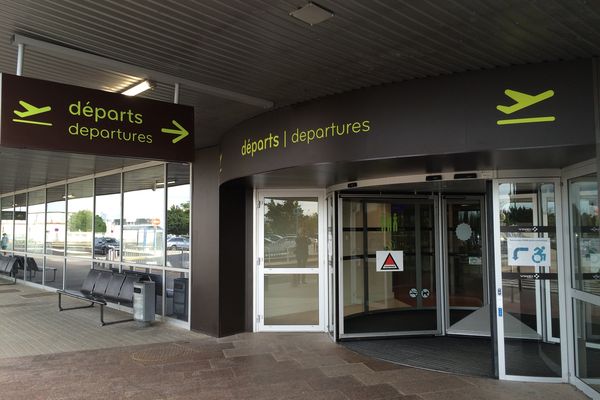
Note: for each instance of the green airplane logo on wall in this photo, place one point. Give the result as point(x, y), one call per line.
point(31, 111)
point(523, 100)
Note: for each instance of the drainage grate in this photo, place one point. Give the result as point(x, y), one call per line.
point(162, 355)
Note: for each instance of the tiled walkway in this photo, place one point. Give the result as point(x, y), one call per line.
point(173, 364)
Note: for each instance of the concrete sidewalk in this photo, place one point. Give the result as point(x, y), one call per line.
point(52, 355)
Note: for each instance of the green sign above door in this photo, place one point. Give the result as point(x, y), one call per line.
point(42, 115)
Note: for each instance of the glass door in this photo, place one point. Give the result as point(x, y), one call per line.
point(331, 286)
point(468, 311)
point(388, 276)
point(290, 291)
point(584, 300)
point(529, 277)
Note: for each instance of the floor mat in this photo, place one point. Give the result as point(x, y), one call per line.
point(466, 356)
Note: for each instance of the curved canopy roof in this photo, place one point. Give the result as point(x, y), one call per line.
point(255, 48)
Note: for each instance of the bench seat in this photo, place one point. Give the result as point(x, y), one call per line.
point(101, 287)
point(8, 266)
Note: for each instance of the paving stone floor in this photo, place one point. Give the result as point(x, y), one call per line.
point(171, 363)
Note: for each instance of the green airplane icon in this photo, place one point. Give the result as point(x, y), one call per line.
point(31, 110)
point(523, 100)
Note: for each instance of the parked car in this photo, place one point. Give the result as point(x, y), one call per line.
point(103, 244)
point(178, 243)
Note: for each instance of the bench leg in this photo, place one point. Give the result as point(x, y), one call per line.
point(102, 323)
point(61, 308)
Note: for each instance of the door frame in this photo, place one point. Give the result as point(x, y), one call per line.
point(499, 311)
point(572, 294)
point(445, 200)
point(340, 262)
point(260, 271)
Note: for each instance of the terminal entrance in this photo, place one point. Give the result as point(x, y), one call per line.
point(436, 308)
point(443, 285)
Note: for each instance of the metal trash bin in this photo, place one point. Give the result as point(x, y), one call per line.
point(143, 302)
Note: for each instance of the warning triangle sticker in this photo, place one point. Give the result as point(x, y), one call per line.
point(390, 264)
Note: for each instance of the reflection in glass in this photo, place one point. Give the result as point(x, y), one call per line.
point(465, 262)
point(107, 235)
point(154, 275)
point(389, 301)
point(20, 222)
point(291, 232)
point(585, 235)
point(178, 215)
point(587, 343)
point(530, 293)
point(292, 299)
point(55, 220)
point(177, 289)
point(143, 220)
point(34, 270)
point(7, 222)
point(354, 287)
point(80, 218)
point(36, 221)
point(54, 272)
point(77, 270)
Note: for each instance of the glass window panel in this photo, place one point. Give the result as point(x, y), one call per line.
point(80, 221)
point(292, 299)
point(352, 214)
point(34, 270)
point(77, 270)
point(177, 289)
point(531, 315)
point(55, 220)
point(178, 215)
point(20, 222)
point(155, 275)
point(107, 236)
point(55, 265)
point(585, 236)
point(587, 343)
point(354, 287)
point(377, 301)
point(103, 265)
point(143, 209)
point(36, 221)
point(7, 222)
point(291, 232)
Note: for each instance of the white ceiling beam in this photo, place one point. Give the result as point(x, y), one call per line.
point(96, 61)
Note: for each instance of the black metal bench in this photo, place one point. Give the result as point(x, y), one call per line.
point(32, 268)
point(101, 287)
point(8, 266)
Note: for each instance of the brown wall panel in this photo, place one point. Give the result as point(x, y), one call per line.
point(232, 259)
point(205, 242)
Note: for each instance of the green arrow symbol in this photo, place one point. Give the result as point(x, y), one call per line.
point(181, 131)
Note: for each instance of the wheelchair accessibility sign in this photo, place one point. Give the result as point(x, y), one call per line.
point(533, 252)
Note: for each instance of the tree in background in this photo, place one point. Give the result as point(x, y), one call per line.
point(178, 219)
point(282, 217)
point(81, 221)
point(285, 218)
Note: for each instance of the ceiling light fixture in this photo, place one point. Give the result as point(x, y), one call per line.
point(312, 14)
point(139, 88)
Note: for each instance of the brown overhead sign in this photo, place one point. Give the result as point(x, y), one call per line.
point(43, 115)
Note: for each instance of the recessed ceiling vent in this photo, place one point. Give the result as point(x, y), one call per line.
point(312, 14)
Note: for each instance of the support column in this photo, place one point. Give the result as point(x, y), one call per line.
point(204, 315)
